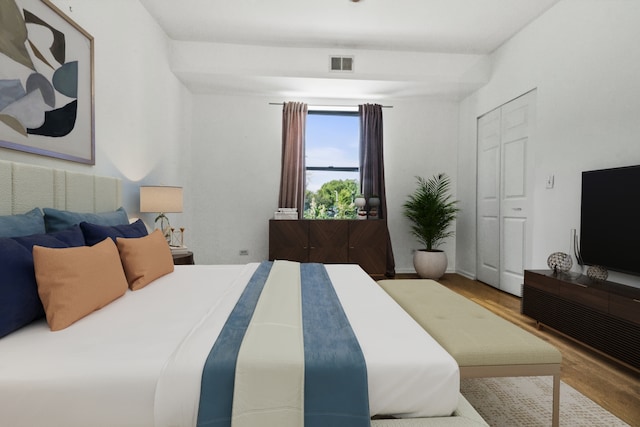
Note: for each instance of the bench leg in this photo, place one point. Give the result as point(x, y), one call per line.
point(555, 415)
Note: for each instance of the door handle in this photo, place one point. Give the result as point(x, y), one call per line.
point(516, 209)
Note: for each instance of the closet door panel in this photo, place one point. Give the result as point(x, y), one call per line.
point(488, 199)
point(504, 193)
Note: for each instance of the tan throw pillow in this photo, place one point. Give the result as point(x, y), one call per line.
point(74, 282)
point(145, 258)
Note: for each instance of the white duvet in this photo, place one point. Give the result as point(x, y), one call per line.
point(137, 362)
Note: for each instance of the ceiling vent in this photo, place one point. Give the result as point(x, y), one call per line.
point(341, 63)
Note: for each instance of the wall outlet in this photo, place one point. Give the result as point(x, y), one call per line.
point(244, 252)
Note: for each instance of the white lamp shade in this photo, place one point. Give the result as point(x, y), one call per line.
point(160, 199)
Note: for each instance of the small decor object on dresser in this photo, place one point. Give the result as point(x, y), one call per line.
point(286, 213)
point(597, 272)
point(374, 203)
point(360, 203)
point(559, 262)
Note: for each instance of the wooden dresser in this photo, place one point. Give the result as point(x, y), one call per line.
point(362, 242)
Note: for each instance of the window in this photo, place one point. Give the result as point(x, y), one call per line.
point(332, 164)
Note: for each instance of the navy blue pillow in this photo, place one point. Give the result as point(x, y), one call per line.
point(56, 220)
point(24, 224)
point(19, 300)
point(94, 233)
point(68, 238)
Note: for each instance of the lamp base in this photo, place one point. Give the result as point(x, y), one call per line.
point(165, 227)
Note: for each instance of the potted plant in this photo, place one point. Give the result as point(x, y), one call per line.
point(431, 210)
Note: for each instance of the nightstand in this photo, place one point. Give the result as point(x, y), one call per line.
point(183, 258)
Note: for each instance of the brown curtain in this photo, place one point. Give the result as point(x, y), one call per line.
point(372, 166)
point(292, 175)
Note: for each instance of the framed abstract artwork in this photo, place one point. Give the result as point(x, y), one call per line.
point(46, 82)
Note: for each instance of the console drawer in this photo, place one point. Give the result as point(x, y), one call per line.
point(625, 308)
point(543, 282)
point(585, 295)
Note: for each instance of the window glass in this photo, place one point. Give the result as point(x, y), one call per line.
point(332, 164)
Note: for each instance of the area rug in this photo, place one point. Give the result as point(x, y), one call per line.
point(526, 401)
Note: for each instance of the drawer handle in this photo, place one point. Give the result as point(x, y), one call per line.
point(580, 284)
point(636, 300)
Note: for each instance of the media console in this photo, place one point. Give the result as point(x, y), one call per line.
point(604, 315)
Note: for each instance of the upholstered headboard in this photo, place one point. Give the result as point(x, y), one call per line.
point(24, 187)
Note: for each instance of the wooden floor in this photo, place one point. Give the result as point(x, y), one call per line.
point(608, 383)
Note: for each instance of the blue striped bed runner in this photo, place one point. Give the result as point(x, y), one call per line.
point(335, 375)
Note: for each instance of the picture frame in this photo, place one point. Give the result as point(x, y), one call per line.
point(46, 82)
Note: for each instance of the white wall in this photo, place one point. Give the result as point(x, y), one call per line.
point(142, 125)
point(582, 57)
point(421, 139)
point(235, 168)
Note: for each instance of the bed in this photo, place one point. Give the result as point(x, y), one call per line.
point(139, 360)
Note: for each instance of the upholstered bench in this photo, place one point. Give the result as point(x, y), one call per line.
point(483, 343)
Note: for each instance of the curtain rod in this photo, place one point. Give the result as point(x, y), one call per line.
point(329, 106)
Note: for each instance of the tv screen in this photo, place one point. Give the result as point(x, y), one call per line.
point(610, 219)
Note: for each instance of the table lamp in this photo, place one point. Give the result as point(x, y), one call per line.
point(161, 200)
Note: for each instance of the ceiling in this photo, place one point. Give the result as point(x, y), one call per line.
point(475, 27)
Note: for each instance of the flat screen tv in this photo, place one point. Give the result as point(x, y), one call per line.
point(610, 219)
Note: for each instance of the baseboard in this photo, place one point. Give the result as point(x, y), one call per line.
point(405, 271)
point(466, 274)
point(412, 271)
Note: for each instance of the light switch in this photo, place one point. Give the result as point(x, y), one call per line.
point(550, 180)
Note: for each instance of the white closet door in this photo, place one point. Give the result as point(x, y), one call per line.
point(488, 212)
point(504, 226)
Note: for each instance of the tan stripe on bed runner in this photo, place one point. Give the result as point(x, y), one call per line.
point(269, 381)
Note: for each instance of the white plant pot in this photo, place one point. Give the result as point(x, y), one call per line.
point(430, 265)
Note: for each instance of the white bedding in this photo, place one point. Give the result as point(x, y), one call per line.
point(146, 350)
